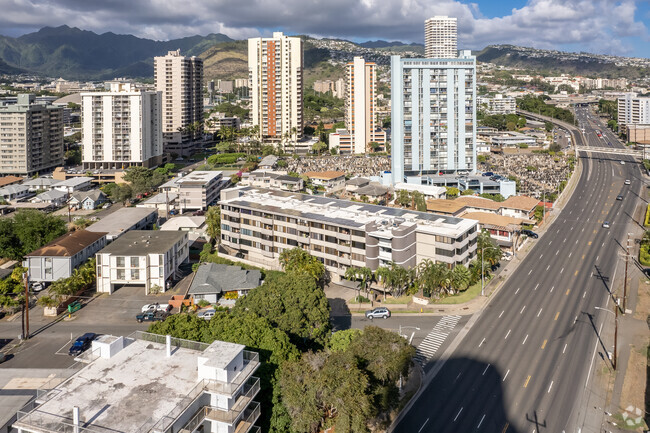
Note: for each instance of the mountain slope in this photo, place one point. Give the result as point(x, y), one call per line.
point(74, 53)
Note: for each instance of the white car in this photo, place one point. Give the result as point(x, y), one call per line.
point(622, 162)
point(156, 307)
point(207, 314)
point(627, 182)
point(606, 225)
point(37, 287)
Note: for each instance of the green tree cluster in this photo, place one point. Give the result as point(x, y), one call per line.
point(81, 279)
point(231, 110)
point(12, 290)
point(299, 261)
point(26, 231)
point(142, 179)
point(344, 386)
point(536, 104)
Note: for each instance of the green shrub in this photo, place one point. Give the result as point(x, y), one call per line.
point(644, 255)
point(647, 216)
point(523, 146)
point(203, 303)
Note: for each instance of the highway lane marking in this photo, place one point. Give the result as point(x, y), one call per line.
point(564, 348)
point(527, 380)
point(507, 334)
point(547, 268)
point(501, 313)
point(583, 257)
point(593, 356)
point(567, 291)
point(529, 272)
point(481, 343)
point(540, 312)
point(544, 344)
point(536, 286)
point(570, 253)
point(576, 241)
point(461, 409)
point(564, 240)
point(552, 289)
point(522, 310)
point(480, 422)
point(425, 423)
point(505, 427)
point(575, 320)
point(589, 243)
point(517, 290)
point(557, 315)
point(597, 257)
point(457, 377)
point(550, 242)
point(557, 252)
point(602, 245)
point(524, 342)
point(583, 229)
point(486, 369)
point(549, 388)
point(584, 294)
point(561, 270)
point(541, 255)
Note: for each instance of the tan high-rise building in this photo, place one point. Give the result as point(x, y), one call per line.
point(121, 127)
point(441, 38)
point(180, 79)
point(31, 137)
point(360, 109)
point(275, 69)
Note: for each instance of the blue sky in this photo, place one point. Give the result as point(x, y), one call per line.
point(600, 26)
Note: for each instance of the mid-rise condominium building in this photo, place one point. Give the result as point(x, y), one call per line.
point(498, 104)
point(433, 112)
point(440, 38)
point(633, 110)
point(180, 81)
point(31, 137)
point(147, 383)
point(360, 110)
point(121, 127)
point(275, 68)
point(258, 224)
point(197, 190)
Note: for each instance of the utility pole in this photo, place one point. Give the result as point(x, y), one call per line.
point(627, 257)
point(615, 334)
point(26, 308)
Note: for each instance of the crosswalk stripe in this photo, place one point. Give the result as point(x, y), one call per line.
point(432, 342)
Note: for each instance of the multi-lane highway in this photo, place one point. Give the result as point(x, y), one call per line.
point(525, 364)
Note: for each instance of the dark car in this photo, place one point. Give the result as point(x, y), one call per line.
point(529, 233)
point(488, 174)
point(619, 197)
point(157, 316)
point(82, 343)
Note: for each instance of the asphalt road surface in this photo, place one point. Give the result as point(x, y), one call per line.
point(527, 360)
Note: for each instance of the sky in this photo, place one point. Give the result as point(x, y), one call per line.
point(617, 27)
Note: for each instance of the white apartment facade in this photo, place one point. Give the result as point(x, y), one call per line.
point(179, 79)
point(31, 137)
point(258, 224)
point(633, 110)
point(148, 258)
point(433, 113)
point(121, 127)
point(197, 190)
point(275, 68)
point(150, 383)
point(498, 104)
point(440, 37)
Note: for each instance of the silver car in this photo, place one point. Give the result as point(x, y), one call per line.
point(378, 313)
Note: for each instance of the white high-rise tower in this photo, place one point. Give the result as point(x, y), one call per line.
point(440, 38)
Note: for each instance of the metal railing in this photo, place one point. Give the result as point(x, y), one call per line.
point(176, 342)
point(251, 362)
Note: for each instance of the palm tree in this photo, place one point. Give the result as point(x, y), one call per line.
point(382, 276)
point(399, 280)
point(460, 278)
point(362, 275)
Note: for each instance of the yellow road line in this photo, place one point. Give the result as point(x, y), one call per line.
point(557, 315)
point(568, 290)
point(589, 243)
point(576, 274)
point(544, 344)
point(526, 384)
point(583, 257)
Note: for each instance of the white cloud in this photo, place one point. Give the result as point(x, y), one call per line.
point(594, 25)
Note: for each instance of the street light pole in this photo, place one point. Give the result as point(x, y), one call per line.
point(615, 330)
point(482, 269)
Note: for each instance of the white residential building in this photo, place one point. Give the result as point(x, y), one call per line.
point(440, 37)
point(121, 128)
point(633, 110)
point(179, 79)
point(275, 67)
point(148, 258)
point(197, 190)
point(433, 113)
point(150, 383)
point(499, 104)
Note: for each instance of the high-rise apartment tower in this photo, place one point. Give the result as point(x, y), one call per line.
point(440, 38)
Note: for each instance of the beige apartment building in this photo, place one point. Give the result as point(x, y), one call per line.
point(180, 81)
point(258, 224)
point(31, 137)
point(360, 110)
point(275, 67)
point(121, 127)
point(197, 190)
point(441, 38)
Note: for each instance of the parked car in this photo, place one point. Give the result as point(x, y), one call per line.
point(506, 256)
point(156, 307)
point(199, 213)
point(606, 224)
point(206, 314)
point(152, 316)
point(82, 343)
point(627, 182)
point(488, 174)
point(37, 287)
point(529, 233)
point(377, 313)
point(622, 162)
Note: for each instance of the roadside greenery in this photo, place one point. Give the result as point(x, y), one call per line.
point(26, 231)
point(644, 249)
point(12, 290)
point(60, 290)
point(536, 104)
point(299, 261)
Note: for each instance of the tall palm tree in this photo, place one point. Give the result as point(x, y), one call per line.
point(382, 276)
point(460, 278)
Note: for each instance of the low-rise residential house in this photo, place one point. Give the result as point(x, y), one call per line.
point(74, 184)
point(429, 191)
point(123, 220)
point(213, 280)
point(148, 258)
point(479, 204)
point(9, 180)
point(332, 181)
point(53, 197)
point(14, 192)
point(445, 207)
point(40, 184)
point(372, 192)
point(272, 180)
point(520, 206)
point(150, 383)
point(269, 162)
point(88, 200)
point(355, 183)
point(194, 226)
point(503, 229)
point(62, 256)
point(197, 190)
point(161, 201)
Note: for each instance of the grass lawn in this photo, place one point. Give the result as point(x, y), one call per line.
point(400, 300)
point(462, 297)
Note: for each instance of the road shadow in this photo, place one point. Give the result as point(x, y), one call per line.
point(466, 395)
point(340, 316)
point(600, 340)
point(603, 278)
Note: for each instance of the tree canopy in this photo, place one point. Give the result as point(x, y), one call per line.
point(26, 231)
point(297, 260)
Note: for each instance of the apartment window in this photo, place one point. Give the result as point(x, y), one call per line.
point(135, 274)
point(135, 262)
point(119, 262)
point(120, 274)
point(359, 245)
point(358, 233)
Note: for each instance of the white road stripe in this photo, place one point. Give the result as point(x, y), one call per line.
point(486, 368)
point(481, 343)
point(507, 334)
point(540, 312)
point(456, 417)
point(501, 313)
point(522, 310)
point(525, 339)
point(480, 422)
